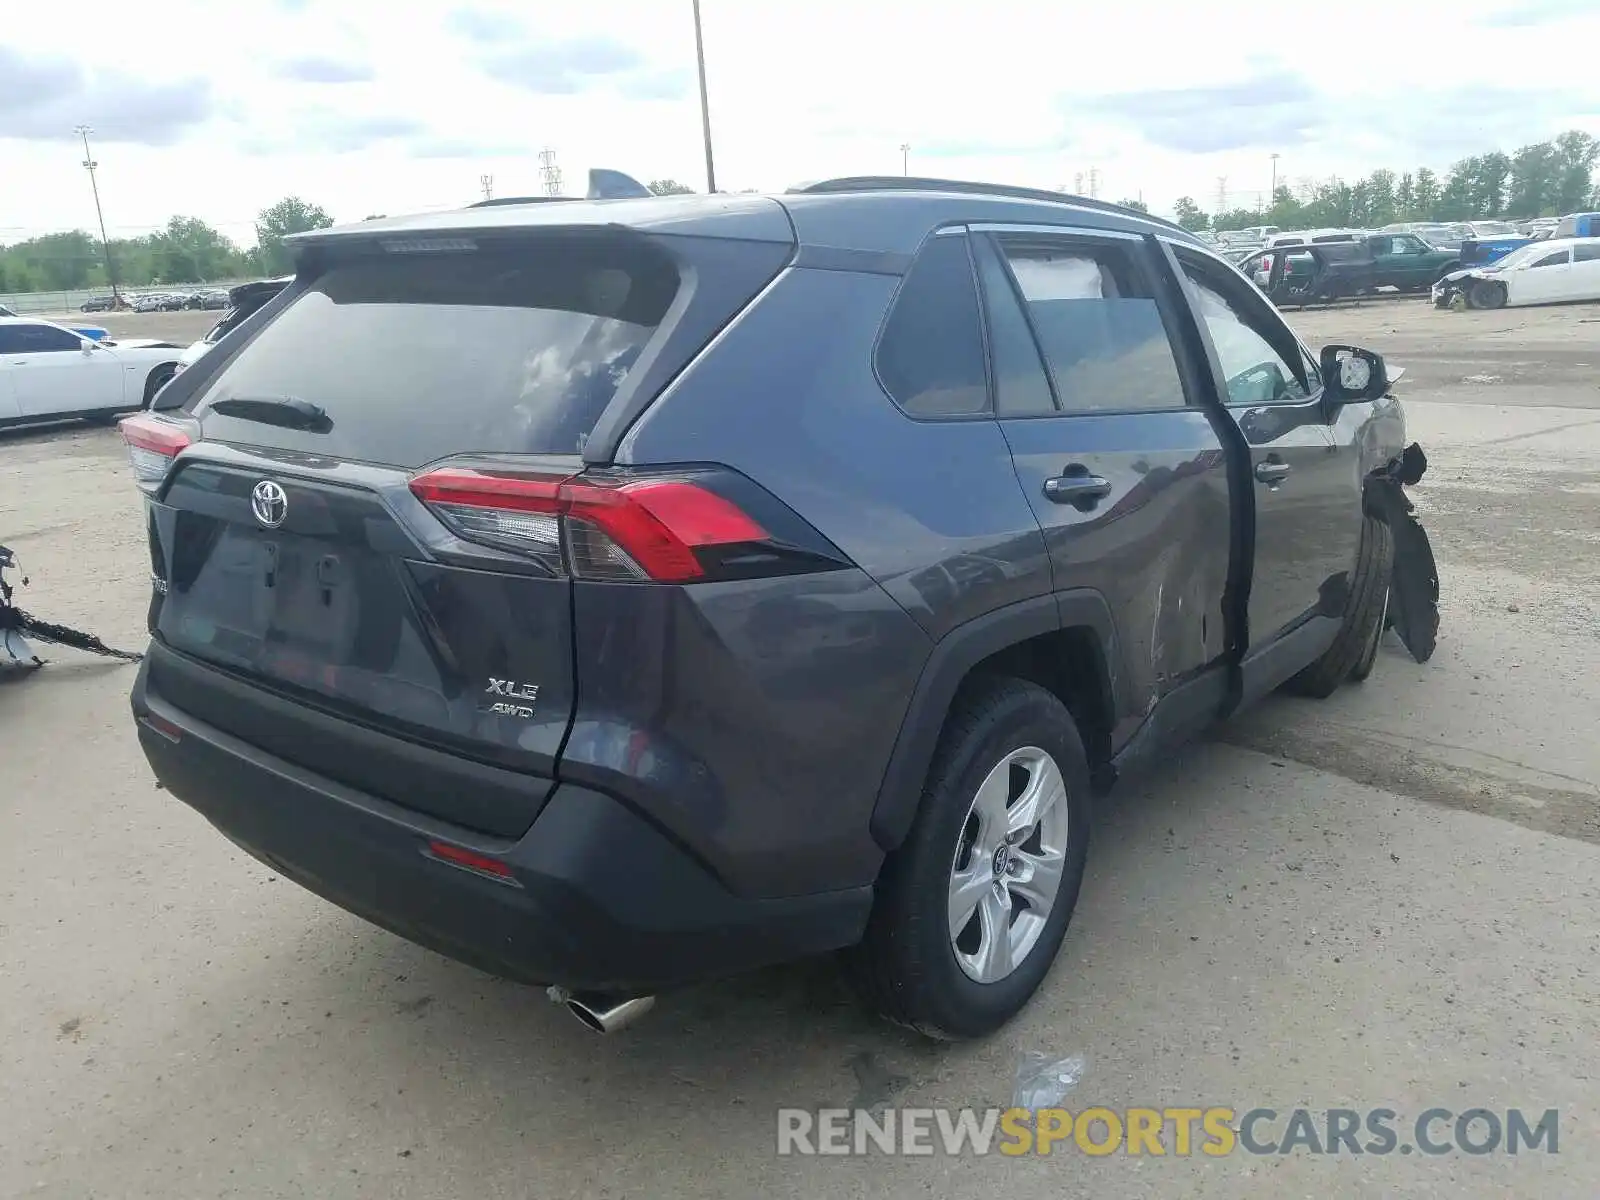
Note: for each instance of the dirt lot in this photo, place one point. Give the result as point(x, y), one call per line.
point(1385, 899)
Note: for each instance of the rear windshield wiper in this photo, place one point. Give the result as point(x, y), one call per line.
point(291, 412)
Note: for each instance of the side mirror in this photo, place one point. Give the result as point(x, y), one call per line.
point(1351, 374)
point(87, 346)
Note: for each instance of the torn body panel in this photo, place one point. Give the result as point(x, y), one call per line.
point(1414, 588)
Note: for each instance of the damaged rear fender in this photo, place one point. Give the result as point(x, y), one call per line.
point(1414, 586)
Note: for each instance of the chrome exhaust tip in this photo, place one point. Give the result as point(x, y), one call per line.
point(603, 1012)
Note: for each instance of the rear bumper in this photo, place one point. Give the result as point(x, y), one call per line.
point(599, 897)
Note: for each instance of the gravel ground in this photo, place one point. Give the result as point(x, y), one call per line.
point(1385, 899)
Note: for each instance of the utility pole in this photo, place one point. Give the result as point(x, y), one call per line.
point(550, 173)
point(1094, 183)
point(89, 163)
point(1077, 183)
point(705, 104)
point(1274, 193)
point(905, 158)
point(1222, 193)
point(488, 186)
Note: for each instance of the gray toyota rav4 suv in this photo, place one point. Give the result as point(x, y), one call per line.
point(620, 594)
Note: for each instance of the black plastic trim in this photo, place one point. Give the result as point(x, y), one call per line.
point(951, 659)
point(564, 922)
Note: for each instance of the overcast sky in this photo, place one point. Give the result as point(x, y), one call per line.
point(216, 108)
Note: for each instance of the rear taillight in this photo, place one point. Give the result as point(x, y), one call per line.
point(153, 442)
point(678, 527)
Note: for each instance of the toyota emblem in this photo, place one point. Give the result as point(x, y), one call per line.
point(269, 503)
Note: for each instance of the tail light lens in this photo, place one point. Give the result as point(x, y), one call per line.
point(671, 527)
point(153, 442)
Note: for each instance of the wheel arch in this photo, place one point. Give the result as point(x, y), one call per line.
point(162, 371)
point(1066, 643)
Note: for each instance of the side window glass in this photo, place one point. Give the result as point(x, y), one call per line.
point(1020, 386)
point(1557, 259)
point(1255, 372)
point(1098, 324)
point(37, 339)
point(931, 355)
point(1587, 253)
point(11, 339)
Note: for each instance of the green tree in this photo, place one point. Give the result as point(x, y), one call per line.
point(1457, 195)
point(54, 262)
point(1576, 154)
point(288, 216)
point(1188, 214)
point(1286, 211)
point(1136, 205)
point(1382, 199)
point(669, 187)
point(1425, 202)
point(190, 251)
point(1489, 183)
point(1532, 186)
point(1405, 197)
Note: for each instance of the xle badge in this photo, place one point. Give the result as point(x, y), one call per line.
point(513, 699)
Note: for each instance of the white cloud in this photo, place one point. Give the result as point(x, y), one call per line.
point(362, 107)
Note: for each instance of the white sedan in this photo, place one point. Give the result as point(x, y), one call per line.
point(48, 371)
point(1548, 272)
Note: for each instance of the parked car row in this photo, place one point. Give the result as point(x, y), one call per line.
point(161, 300)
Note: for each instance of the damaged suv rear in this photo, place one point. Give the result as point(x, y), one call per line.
point(616, 595)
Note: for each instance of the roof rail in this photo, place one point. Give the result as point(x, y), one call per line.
point(914, 183)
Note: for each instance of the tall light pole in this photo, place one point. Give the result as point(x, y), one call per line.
point(705, 104)
point(89, 164)
point(1273, 194)
point(905, 158)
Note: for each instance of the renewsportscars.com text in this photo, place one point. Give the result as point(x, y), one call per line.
point(1214, 1132)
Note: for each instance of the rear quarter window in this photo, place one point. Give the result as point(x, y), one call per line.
point(930, 357)
point(418, 356)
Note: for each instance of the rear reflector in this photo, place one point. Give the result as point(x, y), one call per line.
point(460, 856)
point(645, 529)
point(164, 727)
point(153, 442)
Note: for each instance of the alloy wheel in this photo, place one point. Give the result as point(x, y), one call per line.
point(1008, 864)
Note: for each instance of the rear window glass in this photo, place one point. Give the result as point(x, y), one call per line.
point(417, 356)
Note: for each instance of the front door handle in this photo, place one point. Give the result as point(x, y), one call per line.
point(1272, 473)
point(1078, 488)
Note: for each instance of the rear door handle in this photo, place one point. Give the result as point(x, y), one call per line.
point(1077, 488)
point(1272, 473)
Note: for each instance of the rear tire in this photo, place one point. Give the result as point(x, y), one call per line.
point(922, 963)
point(1364, 612)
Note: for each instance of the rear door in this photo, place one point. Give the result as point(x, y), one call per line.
point(1306, 486)
point(1586, 271)
point(1119, 459)
point(297, 560)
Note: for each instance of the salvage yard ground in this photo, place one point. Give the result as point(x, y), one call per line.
point(1391, 898)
